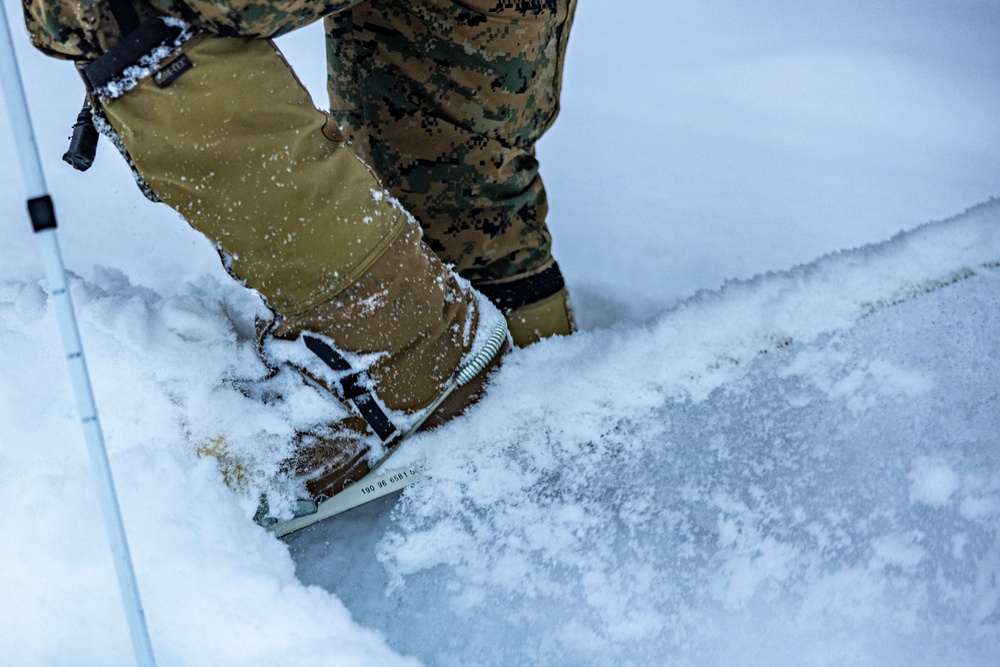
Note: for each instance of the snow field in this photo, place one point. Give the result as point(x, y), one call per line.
point(622, 510)
point(788, 467)
point(227, 590)
point(780, 488)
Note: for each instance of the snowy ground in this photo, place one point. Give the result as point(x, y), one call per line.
point(801, 467)
point(798, 470)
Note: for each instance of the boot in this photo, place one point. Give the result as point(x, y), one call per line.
point(536, 305)
point(221, 130)
point(551, 316)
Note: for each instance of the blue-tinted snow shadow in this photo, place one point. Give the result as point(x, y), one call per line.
point(835, 499)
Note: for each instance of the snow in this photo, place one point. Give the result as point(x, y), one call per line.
point(748, 456)
point(792, 493)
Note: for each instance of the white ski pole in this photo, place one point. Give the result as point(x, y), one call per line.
point(44, 222)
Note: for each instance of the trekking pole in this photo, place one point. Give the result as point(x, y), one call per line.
point(43, 220)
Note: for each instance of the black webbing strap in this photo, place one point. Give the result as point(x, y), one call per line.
point(352, 387)
point(513, 294)
point(125, 15)
point(128, 52)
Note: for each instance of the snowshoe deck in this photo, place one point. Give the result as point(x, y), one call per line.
point(372, 487)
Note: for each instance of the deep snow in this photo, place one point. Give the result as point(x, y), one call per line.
point(799, 468)
point(728, 486)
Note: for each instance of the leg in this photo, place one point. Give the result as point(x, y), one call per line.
point(446, 100)
point(362, 308)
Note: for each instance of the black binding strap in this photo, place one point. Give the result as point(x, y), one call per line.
point(352, 387)
point(514, 294)
point(128, 52)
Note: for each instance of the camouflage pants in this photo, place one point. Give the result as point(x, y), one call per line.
point(445, 99)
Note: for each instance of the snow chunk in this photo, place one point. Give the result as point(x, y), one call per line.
point(933, 482)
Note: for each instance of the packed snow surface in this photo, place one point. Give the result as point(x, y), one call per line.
point(748, 456)
point(802, 469)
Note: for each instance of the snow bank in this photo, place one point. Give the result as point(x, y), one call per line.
point(217, 589)
point(802, 469)
point(799, 469)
